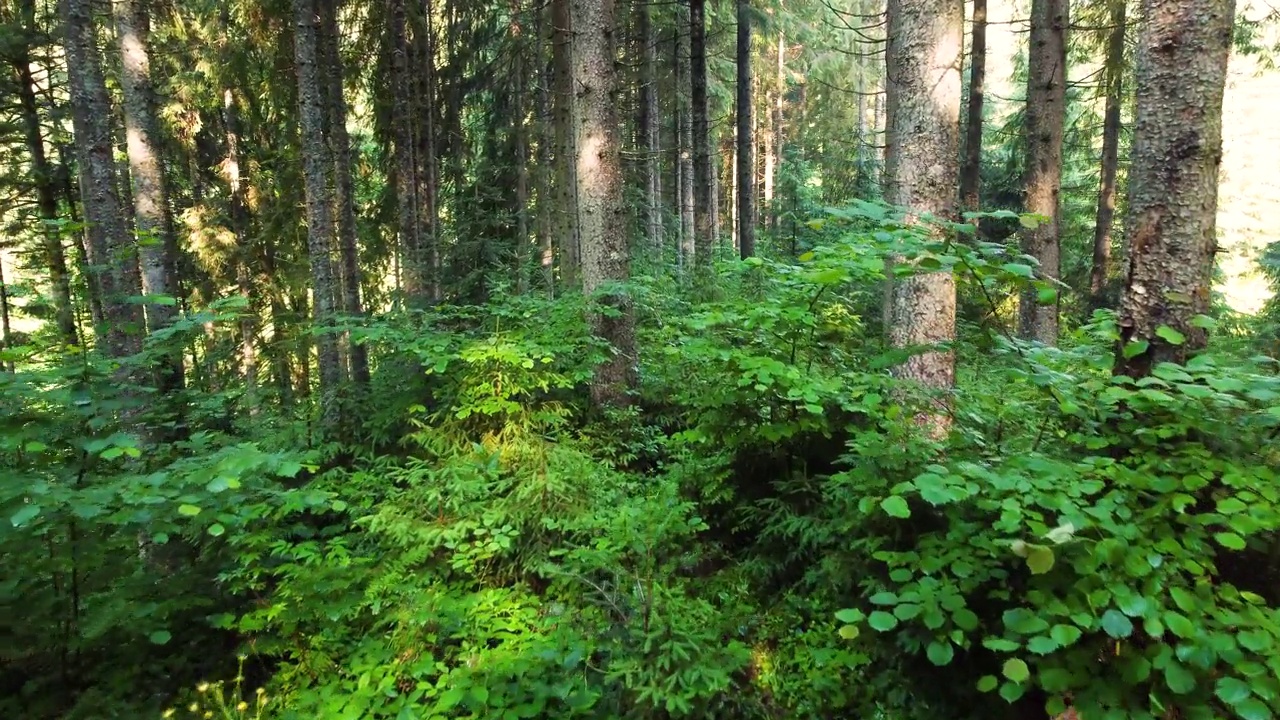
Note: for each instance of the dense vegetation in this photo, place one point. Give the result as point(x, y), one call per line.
point(436, 360)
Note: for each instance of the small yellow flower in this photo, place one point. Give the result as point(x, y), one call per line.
point(168, 713)
point(242, 706)
point(203, 687)
point(194, 707)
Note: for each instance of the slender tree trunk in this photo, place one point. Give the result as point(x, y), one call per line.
point(703, 229)
point(1046, 116)
point(600, 201)
point(45, 183)
point(408, 227)
point(922, 174)
point(111, 254)
point(564, 109)
point(428, 170)
point(80, 240)
point(971, 168)
point(1173, 181)
point(317, 166)
point(546, 140)
point(1114, 84)
point(239, 212)
point(520, 150)
point(746, 141)
point(650, 136)
point(6, 332)
point(776, 131)
point(344, 182)
point(684, 114)
point(146, 171)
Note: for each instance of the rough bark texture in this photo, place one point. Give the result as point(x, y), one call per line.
point(971, 167)
point(703, 225)
point(546, 242)
point(344, 185)
point(684, 124)
point(601, 209)
point(146, 172)
point(921, 173)
point(319, 191)
point(1173, 182)
point(427, 169)
point(649, 135)
point(1114, 84)
point(111, 254)
point(746, 142)
point(43, 177)
point(564, 111)
point(1046, 114)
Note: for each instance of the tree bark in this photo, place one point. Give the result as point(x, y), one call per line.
point(45, 181)
point(546, 139)
point(1173, 181)
point(344, 183)
point(146, 172)
point(921, 174)
point(1114, 84)
point(746, 141)
point(703, 226)
point(6, 332)
point(774, 166)
point(317, 167)
point(239, 212)
point(565, 112)
point(111, 254)
point(971, 168)
point(684, 115)
point(428, 165)
point(520, 151)
point(650, 136)
point(601, 209)
point(1046, 115)
point(414, 270)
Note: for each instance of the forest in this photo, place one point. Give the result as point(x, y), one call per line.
point(639, 360)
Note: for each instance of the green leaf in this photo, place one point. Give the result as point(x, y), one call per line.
point(1253, 709)
point(1232, 691)
point(24, 515)
point(1012, 692)
point(1039, 559)
point(965, 619)
point(1024, 621)
point(1171, 336)
point(1179, 625)
point(112, 453)
point(896, 507)
point(884, 598)
point(1178, 678)
point(940, 652)
point(160, 637)
point(849, 615)
point(1065, 634)
point(987, 683)
point(1116, 624)
point(216, 529)
point(882, 621)
point(1046, 296)
point(1019, 269)
point(1134, 348)
point(849, 632)
point(1042, 645)
point(806, 257)
point(1230, 541)
point(188, 510)
point(1000, 644)
point(1016, 670)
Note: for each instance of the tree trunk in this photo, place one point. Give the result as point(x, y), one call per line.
point(971, 168)
point(650, 137)
point(520, 150)
point(1114, 84)
point(922, 173)
point(6, 331)
point(111, 254)
point(428, 166)
point(601, 209)
point(45, 182)
point(414, 270)
point(1173, 181)
point(1046, 115)
point(317, 166)
point(703, 229)
point(684, 115)
point(146, 171)
point(746, 142)
point(239, 212)
point(546, 138)
point(776, 132)
point(344, 184)
point(566, 227)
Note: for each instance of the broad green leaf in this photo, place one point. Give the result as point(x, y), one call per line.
point(160, 637)
point(24, 515)
point(1230, 541)
point(987, 683)
point(1039, 559)
point(1170, 335)
point(1065, 634)
point(1232, 691)
point(188, 510)
point(1019, 269)
point(1134, 348)
point(1042, 644)
point(849, 632)
point(849, 615)
point(896, 507)
point(1179, 678)
point(882, 621)
point(1116, 624)
point(1016, 670)
point(940, 652)
point(965, 619)
point(217, 529)
point(1179, 625)
point(1024, 621)
point(884, 598)
point(1046, 296)
point(1253, 709)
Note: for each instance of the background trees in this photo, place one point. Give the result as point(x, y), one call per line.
point(450, 358)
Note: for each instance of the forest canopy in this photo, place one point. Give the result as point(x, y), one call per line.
point(612, 359)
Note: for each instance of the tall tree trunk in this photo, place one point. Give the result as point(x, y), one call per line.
point(520, 150)
point(428, 168)
point(1046, 116)
point(565, 112)
point(344, 183)
point(239, 212)
point(1173, 181)
point(650, 137)
point(971, 168)
point(317, 166)
point(1114, 84)
point(146, 171)
point(703, 229)
point(746, 141)
point(111, 254)
point(6, 332)
point(546, 139)
point(45, 182)
point(922, 173)
point(414, 270)
point(684, 119)
point(776, 133)
point(601, 207)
